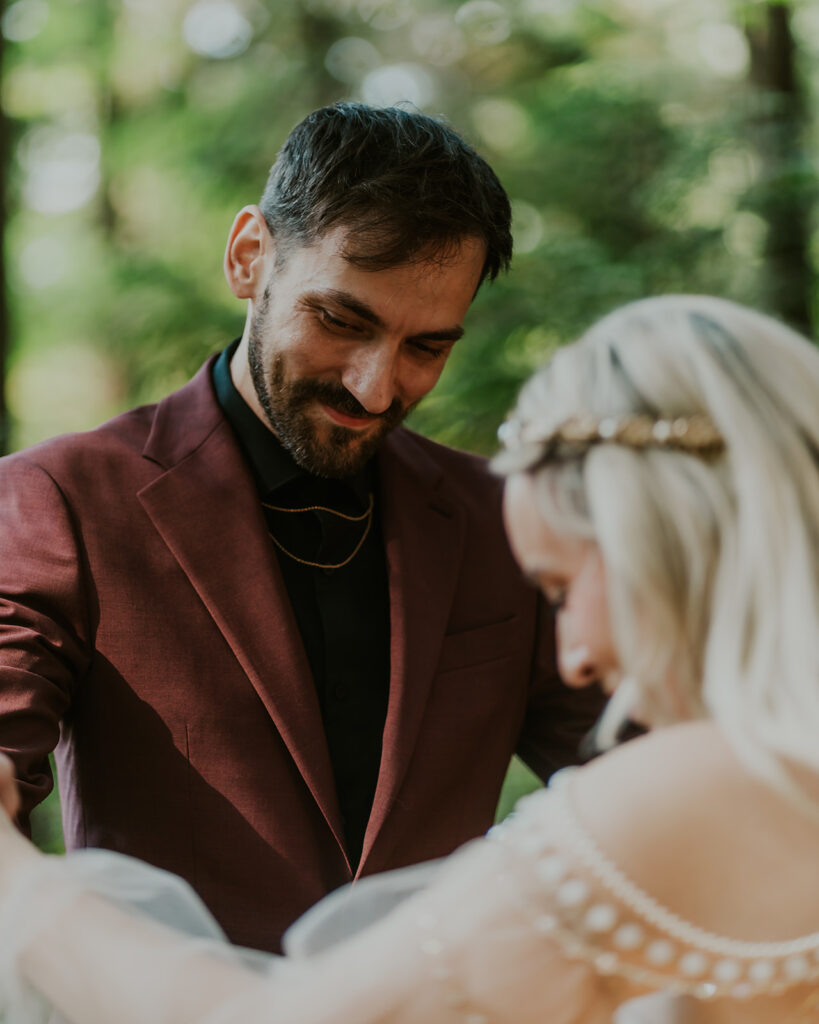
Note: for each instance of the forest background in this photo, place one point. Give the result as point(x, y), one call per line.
point(648, 146)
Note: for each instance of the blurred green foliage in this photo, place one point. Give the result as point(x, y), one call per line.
point(627, 133)
point(644, 143)
point(519, 781)
point(46, 828)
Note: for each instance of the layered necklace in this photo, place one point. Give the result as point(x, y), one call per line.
point(365, 517)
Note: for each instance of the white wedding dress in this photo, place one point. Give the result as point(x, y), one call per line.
point(533, 924)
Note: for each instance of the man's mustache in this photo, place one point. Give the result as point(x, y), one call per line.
point(340, 399)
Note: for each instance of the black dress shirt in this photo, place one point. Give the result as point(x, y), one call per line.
point(342, 613)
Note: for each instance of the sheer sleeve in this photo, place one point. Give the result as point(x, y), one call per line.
point(441, 942)
point(104, 937)
point(532, 924)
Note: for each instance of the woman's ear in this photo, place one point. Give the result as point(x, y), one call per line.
point(248, 254)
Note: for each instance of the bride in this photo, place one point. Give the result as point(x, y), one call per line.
point(663, 491)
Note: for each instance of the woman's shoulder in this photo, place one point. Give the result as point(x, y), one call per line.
point(664, 770)
point(679, 813)
point(668, 864)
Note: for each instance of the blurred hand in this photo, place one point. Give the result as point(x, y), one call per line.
point(9, 793)
point(15, 850)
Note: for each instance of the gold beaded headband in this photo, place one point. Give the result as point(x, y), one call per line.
point(694, 435)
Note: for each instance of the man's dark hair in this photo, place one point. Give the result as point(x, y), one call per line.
point(407, 185)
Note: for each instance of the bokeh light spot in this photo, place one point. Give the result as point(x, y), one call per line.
point(527, 226)
point(502, 124)
point(72, 386)
point(62, 169)
point(724, 50)
point(745, 235)
point(351, 58)
point(484, 22)
point(24, 20)
point(385, 15)
point(217, 28)
point(399, 83)
point(437, 40)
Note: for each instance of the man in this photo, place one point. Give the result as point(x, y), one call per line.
point(277, 642)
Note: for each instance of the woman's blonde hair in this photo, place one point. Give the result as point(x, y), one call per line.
point(712, 564)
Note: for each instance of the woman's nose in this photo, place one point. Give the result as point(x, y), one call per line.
point(576, 665)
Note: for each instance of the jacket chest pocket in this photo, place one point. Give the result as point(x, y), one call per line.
point(473, 647)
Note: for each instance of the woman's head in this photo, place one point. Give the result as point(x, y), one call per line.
point(701, 504)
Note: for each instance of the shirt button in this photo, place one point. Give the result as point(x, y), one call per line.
point(328, 571)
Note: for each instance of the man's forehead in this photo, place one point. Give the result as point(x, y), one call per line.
point(361, 246)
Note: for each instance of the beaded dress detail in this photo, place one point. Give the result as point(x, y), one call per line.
point(595, 913)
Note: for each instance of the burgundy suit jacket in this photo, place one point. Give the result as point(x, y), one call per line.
point(146, 634)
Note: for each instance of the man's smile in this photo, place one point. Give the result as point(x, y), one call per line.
point(345, 419)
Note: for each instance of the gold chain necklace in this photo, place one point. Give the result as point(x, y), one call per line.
point(368, 515)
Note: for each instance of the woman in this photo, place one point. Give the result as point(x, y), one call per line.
point(663, 491)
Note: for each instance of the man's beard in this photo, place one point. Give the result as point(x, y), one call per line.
point(342, 452)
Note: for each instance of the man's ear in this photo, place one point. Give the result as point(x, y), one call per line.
point(248, 254)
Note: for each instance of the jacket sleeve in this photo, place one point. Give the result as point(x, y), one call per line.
point(558, 718)
point(44, 622)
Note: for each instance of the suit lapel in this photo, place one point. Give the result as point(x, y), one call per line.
point(206, 510)
point(423, 536)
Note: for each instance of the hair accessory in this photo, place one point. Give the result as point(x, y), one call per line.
point(696, 434)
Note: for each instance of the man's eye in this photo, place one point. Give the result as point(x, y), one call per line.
point(334, 321)
point(429, 351)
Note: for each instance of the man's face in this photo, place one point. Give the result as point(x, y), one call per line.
point(339, 355)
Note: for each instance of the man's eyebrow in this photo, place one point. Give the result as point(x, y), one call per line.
point(365, 312)
point(348, 301)
point(446, 334)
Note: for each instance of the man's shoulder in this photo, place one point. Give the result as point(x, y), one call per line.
point(454, 464)
point(123, 434)
point(123, 439)
point(454, 479)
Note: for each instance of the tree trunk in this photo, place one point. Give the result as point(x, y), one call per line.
point(786, 198)
point(5, 324)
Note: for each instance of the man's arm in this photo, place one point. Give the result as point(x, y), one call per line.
point(44, 628)
point(558, 718)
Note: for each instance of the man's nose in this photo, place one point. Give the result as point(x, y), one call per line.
point(370, 376)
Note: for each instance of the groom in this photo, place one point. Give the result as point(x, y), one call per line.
point(277, 640)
